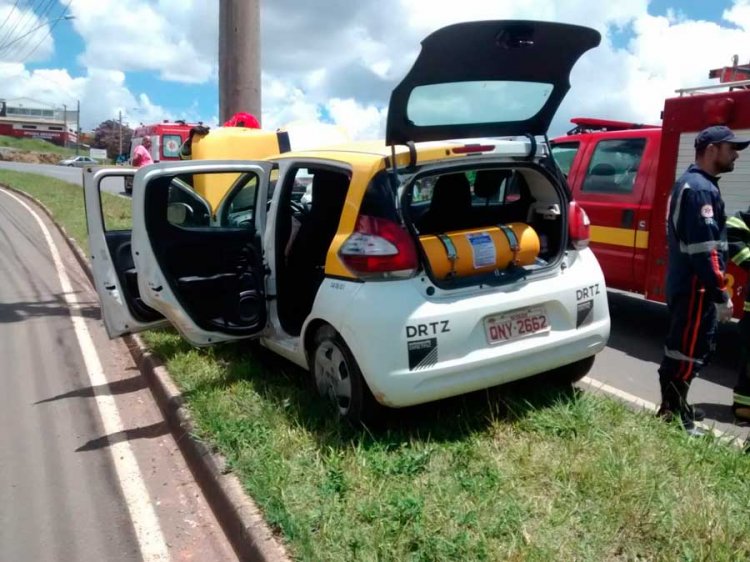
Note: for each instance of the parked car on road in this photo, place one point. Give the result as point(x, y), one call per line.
point(421, 268)
point(77, 161)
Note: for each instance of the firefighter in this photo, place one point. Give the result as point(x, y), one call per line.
point(738, 236)
point(696, 296)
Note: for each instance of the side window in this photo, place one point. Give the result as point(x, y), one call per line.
point(564, 154)
point(171, 146)
point(614, 166)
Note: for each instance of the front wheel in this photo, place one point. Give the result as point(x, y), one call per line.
point(339, 379)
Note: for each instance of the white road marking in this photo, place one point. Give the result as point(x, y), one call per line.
point(147, 530)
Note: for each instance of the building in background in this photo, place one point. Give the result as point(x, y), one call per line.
point(28, 118)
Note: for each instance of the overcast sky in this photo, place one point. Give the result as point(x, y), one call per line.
point(336, 61)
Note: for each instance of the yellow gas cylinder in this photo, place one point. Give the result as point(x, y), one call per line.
point(232, 143)
point(463, 253)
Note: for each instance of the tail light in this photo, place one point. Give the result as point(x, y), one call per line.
point(579, 226)
point(379, 248)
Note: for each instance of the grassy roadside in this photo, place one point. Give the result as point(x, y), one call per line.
point(513, 473)
point(34, 145)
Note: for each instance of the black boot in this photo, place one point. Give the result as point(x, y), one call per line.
point(674, 406)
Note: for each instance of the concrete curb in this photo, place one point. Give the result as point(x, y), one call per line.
point(237, 513)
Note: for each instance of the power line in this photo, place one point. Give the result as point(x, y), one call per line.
point(49, 32)
point(21, 19)
point(29, 33)
point(13, 9)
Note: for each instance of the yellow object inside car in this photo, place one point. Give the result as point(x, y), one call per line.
point(463, 253)
point(231, 143)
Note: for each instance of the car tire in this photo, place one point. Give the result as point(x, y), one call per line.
point(573, 372)
point(339, 379)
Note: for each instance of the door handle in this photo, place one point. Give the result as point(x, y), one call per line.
point(628, 216)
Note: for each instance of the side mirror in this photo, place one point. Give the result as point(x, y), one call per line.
point(178, 213)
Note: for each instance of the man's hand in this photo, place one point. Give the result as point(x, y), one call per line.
point(724, 311)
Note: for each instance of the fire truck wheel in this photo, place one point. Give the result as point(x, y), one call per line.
point(339, 379)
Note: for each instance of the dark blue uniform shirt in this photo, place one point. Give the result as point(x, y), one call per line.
point(697, 237)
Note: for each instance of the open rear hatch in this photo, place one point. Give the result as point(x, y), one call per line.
point(486, 79)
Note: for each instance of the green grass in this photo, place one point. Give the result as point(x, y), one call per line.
point(35, 145)
point(515, 473)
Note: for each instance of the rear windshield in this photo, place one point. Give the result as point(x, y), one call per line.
point(464, 103)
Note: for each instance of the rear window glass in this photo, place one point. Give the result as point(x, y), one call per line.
point(462, 103)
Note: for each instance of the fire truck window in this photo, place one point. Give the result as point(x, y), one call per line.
point(564, 154)
point(171, 146)
point(614, 166)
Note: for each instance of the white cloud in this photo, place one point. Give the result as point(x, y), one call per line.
point(24, 36)
point(175, 39)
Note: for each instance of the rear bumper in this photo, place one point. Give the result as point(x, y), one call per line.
point(415, 346)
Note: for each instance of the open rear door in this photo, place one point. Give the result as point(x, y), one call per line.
point(203, 268)
point(109, 222)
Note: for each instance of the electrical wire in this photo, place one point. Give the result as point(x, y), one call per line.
point(49, 32)
point(7, 17)
point(18, 28)
point(29, 33)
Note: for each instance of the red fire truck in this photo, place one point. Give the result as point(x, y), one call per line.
point(622, 175)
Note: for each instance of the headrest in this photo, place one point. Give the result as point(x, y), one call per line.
point(487, 183)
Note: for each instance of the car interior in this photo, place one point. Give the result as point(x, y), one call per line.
point(474, 199)
point(303, 236)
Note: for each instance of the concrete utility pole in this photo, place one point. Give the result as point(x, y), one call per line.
point(239, 58)
point(119, 118)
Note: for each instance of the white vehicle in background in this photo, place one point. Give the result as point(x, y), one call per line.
point(423, 267)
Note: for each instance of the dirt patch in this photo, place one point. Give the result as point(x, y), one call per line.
point(29, 157)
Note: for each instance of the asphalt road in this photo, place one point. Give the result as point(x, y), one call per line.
point(64, 173)
point(88, 468)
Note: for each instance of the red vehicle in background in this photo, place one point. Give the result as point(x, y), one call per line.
point(166, 139)
point(622, 175)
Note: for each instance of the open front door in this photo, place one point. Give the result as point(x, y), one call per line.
point(203, 268)
point(109, 222)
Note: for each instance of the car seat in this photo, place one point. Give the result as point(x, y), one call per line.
point(450, 207)
point(601, 178)
point(307, 254)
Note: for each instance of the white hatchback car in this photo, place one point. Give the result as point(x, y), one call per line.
point(422, 268)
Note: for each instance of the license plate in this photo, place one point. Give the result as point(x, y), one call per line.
point(517, 324)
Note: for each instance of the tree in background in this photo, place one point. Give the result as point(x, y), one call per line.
point(107, 135)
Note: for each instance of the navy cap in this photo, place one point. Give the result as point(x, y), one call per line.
point(717, 134)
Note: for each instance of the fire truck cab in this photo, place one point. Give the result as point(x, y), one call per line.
point(622, 175)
